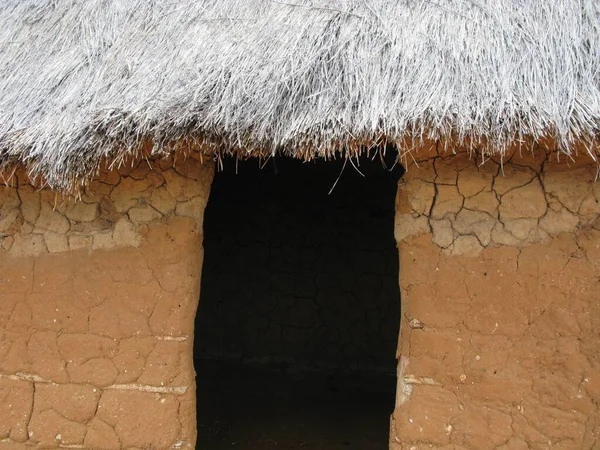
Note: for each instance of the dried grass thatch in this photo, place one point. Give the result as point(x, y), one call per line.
point(89, 80)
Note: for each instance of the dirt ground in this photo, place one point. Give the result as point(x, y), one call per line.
point(265, 408)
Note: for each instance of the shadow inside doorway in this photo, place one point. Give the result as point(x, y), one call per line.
point(297, 325)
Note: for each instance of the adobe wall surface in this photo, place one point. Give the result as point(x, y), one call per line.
point(97, 302)
point(500, 282)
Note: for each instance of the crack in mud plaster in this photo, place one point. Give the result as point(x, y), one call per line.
point(108, 340)
point(504, 339)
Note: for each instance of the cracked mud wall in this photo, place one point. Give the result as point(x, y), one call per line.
point(500, 281)
point(97, 305)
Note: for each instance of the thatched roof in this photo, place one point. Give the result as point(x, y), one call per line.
point(87, 80)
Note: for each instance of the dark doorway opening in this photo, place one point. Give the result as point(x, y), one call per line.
point(297, 325)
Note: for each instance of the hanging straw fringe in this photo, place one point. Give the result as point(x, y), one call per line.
point(82, 82)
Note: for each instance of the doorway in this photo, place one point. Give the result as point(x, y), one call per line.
point(297, 324)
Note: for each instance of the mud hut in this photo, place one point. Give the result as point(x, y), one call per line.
point(114, 117)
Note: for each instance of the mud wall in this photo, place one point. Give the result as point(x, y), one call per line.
point(297, 276)
point(500, 276)
point(97, 302)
